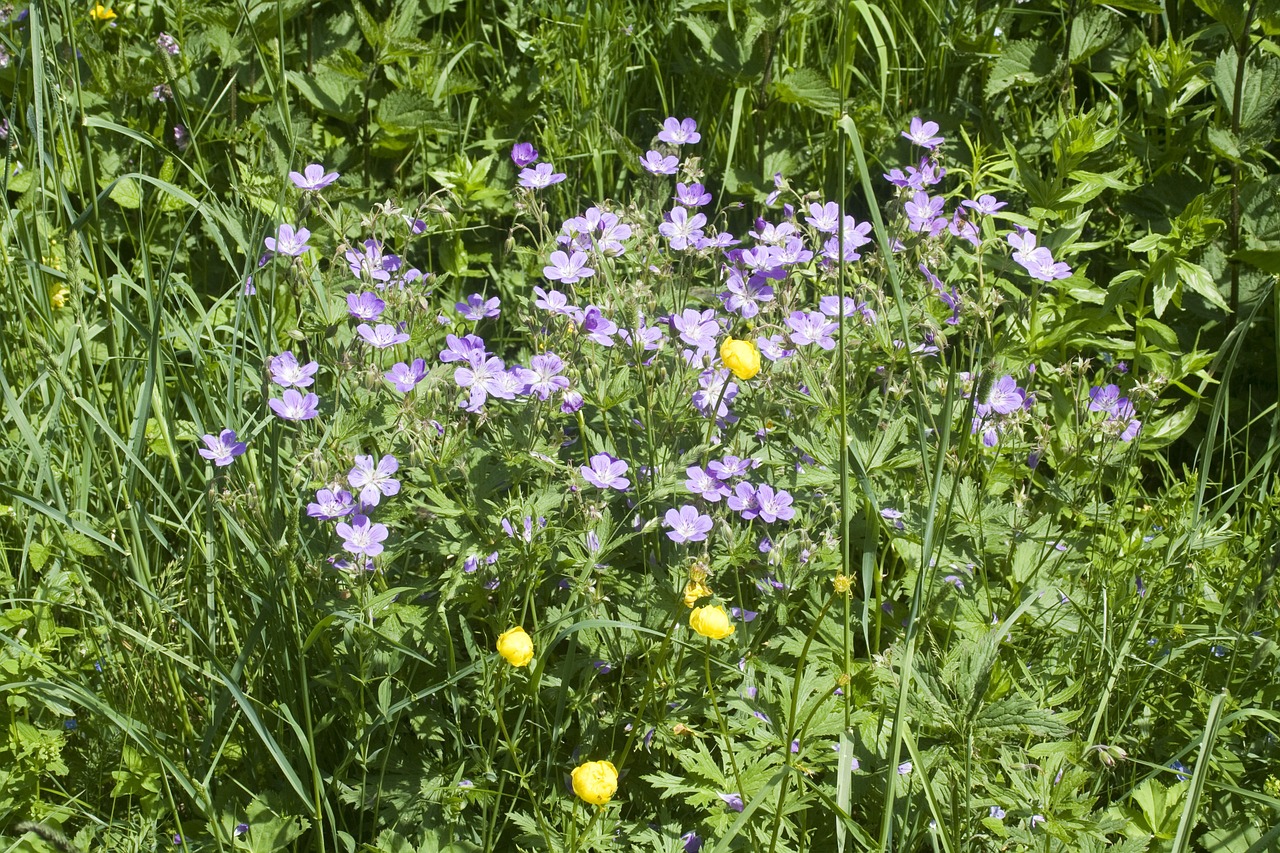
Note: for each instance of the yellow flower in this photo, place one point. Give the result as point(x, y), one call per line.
point(741, 357)
point(58, 299)
point(842, 583)
point(694, 590)
point(595, 782)
point(101, 13)
point(711, 621)
point(516, 646)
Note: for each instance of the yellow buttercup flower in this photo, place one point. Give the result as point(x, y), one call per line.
point(516, 646)
point(101, 13)
point(595, 782)
point(741, 357)
point(694, 590)
point(711, 621)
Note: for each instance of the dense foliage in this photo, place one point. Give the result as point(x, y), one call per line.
point(684, 425)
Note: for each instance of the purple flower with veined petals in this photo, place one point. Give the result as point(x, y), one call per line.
point(568, 268)
point(295, 407)
point(330, 504)
point(687, 524)
point(743, 501)
point(703, 484)
point(554, 301)
point(369, 263)
point(773, 505)
point(812, 328)
point(383, 336)
point(743, 296)
point(922, 134)
point(732, 466)
point(733, 801)
point(477, 308)
point(605, 472)
point(711, 382)
point(545, 370)
point(1036, 260)
point(772, 347)
point(1006, 397)
point(655, 163)
point(824, 218)
point(374, 479)
point(830, 306)
point(313, 178)
point(682, 230)
point(922, 211)
point(365, 306)
point(794, 252)
point(598, 327)
point(984, 204)
point(678, 132)
point(222, 448)
point(288, 241)
point(362, 536)
point(483, 379)
point(470, 349)
point(540, 176)
point(285, 370)
point(692, 195)
point(692, 843)
point(648, 338)
point(698, 329)
point(523, 154)
point(571, 402)
point(1104, 399)
point(406, 376)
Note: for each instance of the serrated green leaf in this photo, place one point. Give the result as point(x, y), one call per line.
point(1022, 62)
point(807, 88)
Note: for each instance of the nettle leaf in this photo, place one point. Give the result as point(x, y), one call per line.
point(807, 88)
point(1015, 715)
point(1023, 62)
point(1091, 31)
point(330, 92)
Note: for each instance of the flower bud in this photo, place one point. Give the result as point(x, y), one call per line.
point(516, 646)
point(595, 782)
point(711, 621)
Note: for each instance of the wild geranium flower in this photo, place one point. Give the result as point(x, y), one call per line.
point(705, 485)
point(595, 782)
point(540, 176)
point(692, 195)
point(288, 241)
point(732, 466)
point(406, 376)
point(699, 330)
point(648, 338)
point(605, 472)
point(923, 134)
point(313, 178)
point(812, 327)
point(361, 536)
point(568, 268)
point(545, 378)
point(681, 229)
point(571, 402)
point(1005, 396)
point(824, 217)
point(598, 327)
point(331, 503)
point(744, 295)
point(523, 154)
point(222, 448)
point(984, 204)
point(772, 505)
point(743, 501)
point(383, 336)
point(794, 251)
point(772, 347)
point(923, 212)
point(477, 307)
point(285, 370)
point(830, 306)
point(687, 524)
point(365, 306)
point(1036, 260)
point(715, 386)
point(733, 801)
point(295, 407)
point(369, 264)
point(469, 348)
point(554, 301)
point(656, 163)
point(678, 132)
point(374, 479)
point(484, 379)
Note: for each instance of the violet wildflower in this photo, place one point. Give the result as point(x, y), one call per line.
point(703, 484)
point(905, 768)
point(794, 252)
point(984, 204)
point(605, 472)
point(692, 195)
point(812, 328)
point(288, 241)
point(523, 154)
point(222, 448)
point(313, 178)
point(655, 163)
point(1104, 399)
point(540, 176)
point(544, 375)
point(374, 479)
point(830, 306)
point(1036, 260)
point(733, 801)
point(168, 44)
point(249, 288)
point(369, 263)
point(598, 327)
point(241, 829)
point(406, 376)
point(483, 378)
point(698, 329)
point(732, 466)
point(1005, 396)
point(571, 402)
point(331, 503)
point(894, 515)
point(682, 230)
point(743, 501)
point(365, 306)
point(772, 505)
point(383, 336)
point(362, 536)
point(295, 407)
point(772, 347)
point(996, 812)
point(648, 338)
point(285, 370)
point(687, 524)
point(554, 301)
point(922, 134)
point(824, 218)
point(691, 842)
point(477, 308)
point(469, 348)
point(923, 213)
point(568, 268)
point(715, 386)
point(678, 132)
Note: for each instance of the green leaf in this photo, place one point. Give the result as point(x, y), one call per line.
point(1091, 31)
point(127, 193)
point(81, 544)
point(1197, 278)
point(807, 88)
point(1168, 429)
point(1022, 62)
point(328, 91)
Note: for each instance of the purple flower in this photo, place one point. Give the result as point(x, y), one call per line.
point(678, 132)
point(554, 301)
point(1006, 397)
point(692, 843)
point(406, 376)
point(383, 336)
point(287, 241)
point(168, 44)
point(654, 162)
point(1104, 399)
point(681, 229)
point(687, 524)
point(222, 448)
point(732, 466)
point(545, 378)
point(182, 140)
point(705, 485)
point(733, 801)
point(362, 536)
point(743, 501)
point(365, 306)
point(571, 402)
point(923, 212)
point(985, 204)
point(743, 296)
point(698, 329)
point(772, 347)
point(285, 370)
point(568, 268)
point(812, 328)
point(483, 378)
point(470, 349)
point(772, 505)
point(715, 386)
point(313, 178)
point(598, 327)
point(295, 407)
point(824, 217)
point(692, 195)
point(368, 264)
point(648, 338)
point(605, 472)
point(540, 176)
point(922, 134)
point(1036, 260)
point(904, 768)
point(374, 479)
point(241, 829)
point(523, 154)
point(331, 504)
point(476, 307)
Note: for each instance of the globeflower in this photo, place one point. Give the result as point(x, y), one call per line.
point(711, 621)
point(741, 357)
point(595, 782)
point(516, 646)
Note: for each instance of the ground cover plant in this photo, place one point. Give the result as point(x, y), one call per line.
point(598, 426)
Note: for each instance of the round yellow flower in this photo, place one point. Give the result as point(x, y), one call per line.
point(516, 646)
point(101, 13)
point(711, 621)
point(741, 357)
point(694, 590)
point(595, 782)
